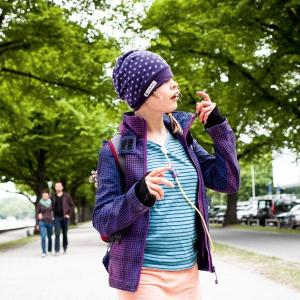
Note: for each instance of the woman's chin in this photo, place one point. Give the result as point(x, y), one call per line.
point(172, 109)
point(174, 106)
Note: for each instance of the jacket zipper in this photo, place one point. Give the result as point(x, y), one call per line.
point(216, 277)
point(211, 267)
point(147, 213)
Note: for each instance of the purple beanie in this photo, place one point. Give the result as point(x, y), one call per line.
point(137, 74)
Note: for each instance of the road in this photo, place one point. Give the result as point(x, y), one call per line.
point(13, 235)
point(285, 246)
point(79, 275)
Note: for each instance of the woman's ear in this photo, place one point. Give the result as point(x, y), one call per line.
point(157, 94)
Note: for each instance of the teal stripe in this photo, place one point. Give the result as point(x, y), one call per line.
point(172, 241)
point(172, 232)
point(183, 230)
point(166, 259)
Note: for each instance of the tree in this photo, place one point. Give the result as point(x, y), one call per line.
point(54, 94)
point(263, 177)
point(246, 55)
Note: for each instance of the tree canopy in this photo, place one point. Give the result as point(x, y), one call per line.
point(245, 54)
point(56, 96)
point(55, 92)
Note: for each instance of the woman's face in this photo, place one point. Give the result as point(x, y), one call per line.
point(45, 196)
point(164, 99)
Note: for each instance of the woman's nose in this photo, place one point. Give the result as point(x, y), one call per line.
point(174, 84)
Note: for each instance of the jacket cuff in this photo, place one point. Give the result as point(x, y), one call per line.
point(220, 131)
point(214, 118)
point(143, 194)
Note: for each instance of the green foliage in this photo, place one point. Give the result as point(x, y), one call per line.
point(263, 177)
point(245, 54)
point(55, 94)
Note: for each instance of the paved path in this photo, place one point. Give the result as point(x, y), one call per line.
point(79, 275)
point(285, 246)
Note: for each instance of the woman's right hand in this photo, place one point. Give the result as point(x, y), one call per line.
point(155, 178)
point(40, 216)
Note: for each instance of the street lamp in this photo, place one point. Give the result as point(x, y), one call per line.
point(253, 181)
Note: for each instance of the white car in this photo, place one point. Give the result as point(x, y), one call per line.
point(290, 218)
point(246, 213)
point(294, 216)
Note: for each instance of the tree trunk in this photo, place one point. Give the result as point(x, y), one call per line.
point(82, 204)
point(74, 217)
point(230, 216)
point(40, 177)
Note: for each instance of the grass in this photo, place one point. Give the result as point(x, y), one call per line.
point(73, 226)
point(276, 269)
point(17, 243)
point(258, 228)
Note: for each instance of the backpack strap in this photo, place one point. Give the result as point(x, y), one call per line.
point(114, 144)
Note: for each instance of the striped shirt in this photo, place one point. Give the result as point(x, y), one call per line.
point(170, 243)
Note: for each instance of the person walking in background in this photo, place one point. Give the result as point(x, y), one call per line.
point(63, 205)
point(45, 221)
point(156, 217)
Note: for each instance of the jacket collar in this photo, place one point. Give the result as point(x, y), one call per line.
point(138, 125)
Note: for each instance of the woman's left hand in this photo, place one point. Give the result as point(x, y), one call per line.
point(205, 107)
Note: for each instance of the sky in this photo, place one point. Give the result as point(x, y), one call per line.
point(286, 170)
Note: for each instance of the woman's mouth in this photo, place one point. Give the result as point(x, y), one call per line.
point(175, 97)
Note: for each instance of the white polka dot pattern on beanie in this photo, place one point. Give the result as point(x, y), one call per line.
point(135, 71)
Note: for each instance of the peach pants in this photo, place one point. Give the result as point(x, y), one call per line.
point(164, 285)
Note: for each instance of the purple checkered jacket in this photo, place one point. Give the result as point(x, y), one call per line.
point(118, 211)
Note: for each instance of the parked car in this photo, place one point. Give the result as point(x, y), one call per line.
point(291, 218)
point(217, 213)
point(295, 216)
point(265, 210)
point(283, 219)
point(216, 209)
point(245, 213)
point(269, 209)
point(220, 216)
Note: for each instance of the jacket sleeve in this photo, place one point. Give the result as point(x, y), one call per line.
point(52, 204)
point(114, 209)
point(39, 208)
point(221, 171)
point(70, 204)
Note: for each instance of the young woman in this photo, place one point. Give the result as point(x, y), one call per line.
point(155, 211)
point(45, 217)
